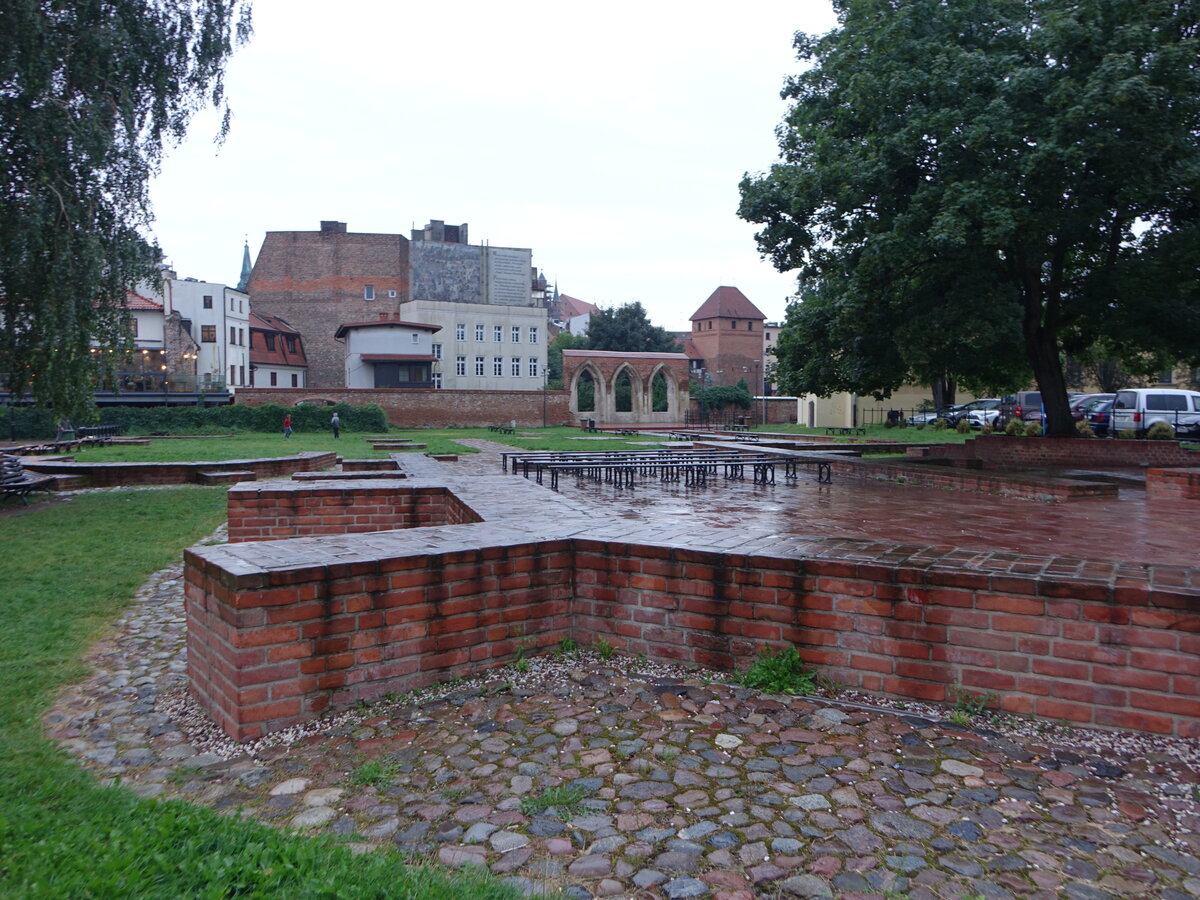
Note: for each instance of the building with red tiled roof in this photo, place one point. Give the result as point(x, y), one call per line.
point(276, 353)
point(726, 341)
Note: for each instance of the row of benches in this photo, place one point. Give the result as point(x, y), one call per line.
point(16, 482)
point(692, 468)
point(502, 429)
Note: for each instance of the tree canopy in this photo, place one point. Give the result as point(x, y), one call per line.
point(976, 189)
point(627, 329)
point(90, 91)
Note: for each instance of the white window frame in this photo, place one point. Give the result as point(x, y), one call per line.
point(460, 331)
point(498, 366)
point(479, 363)
point(437, 351)
point(533, 367)
point(533, 334)
point(497, 334)
point(368, 292)
point(437, 381)
point(516, 334)
point(479, 333)
point(460, 365)
point(514, 366)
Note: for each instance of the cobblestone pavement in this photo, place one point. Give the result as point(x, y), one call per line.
point(665, 786)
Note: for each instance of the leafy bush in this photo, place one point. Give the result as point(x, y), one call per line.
point(1033, 429)
point(963, 426)
point(237, 418)
point(23, 423)
point(1014, 427)
point(1127, 434)
point(1084, 427)
point(987, 428)
point(1160, 431)
point(780, 673)
point(721, 396)
point(939, 424)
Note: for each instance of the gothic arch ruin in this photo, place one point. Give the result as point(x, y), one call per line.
point(606, 366)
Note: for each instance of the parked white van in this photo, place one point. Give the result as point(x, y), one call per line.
point(1136, 409)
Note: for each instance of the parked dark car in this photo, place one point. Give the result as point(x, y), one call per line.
point(1083, 405)
point(1099, 418)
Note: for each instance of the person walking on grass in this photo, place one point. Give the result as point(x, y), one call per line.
point(287, 426)
point(336, 424)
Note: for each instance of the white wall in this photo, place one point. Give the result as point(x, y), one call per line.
point(451, 315)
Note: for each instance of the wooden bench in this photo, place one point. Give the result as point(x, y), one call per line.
point(16, 482)
point(502, 429)
point(845, 430)
point(98, 435)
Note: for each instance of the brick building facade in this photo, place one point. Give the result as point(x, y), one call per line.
point(317, 280)
point(726, 341)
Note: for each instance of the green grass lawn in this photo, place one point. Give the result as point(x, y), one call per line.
point(66, 570)
point(350, 445)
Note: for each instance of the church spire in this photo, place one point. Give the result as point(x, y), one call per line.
point(244, 282)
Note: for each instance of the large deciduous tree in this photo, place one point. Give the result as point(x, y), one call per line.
point(627, 329)
point(90, 91)
point(976, 188)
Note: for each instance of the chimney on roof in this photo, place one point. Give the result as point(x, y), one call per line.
point(333, 227)
point(383, 317)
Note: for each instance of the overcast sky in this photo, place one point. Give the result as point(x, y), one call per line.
point(609, 138)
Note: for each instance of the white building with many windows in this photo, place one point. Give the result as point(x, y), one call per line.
point(484, 346)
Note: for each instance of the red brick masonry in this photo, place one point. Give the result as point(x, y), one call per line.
point(111, 474)
point(1176, 484)
point(279, 632)
point(281, 509)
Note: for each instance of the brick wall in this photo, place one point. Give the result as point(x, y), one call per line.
point(113, 474)
point(1125, 658)
point(976, 480)
point(278, 510)
point(271, 647)
point(314, 280)
point(433, 408)
point(1173, 484)
point(1022, 452)
point(266, 651)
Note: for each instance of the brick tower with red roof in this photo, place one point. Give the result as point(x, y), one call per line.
point(727, 340)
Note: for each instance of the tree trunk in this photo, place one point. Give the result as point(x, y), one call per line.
point(1047, 370)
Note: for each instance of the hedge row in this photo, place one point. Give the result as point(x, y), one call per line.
point(27, 423)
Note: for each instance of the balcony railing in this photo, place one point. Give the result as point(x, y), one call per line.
point(153, 383)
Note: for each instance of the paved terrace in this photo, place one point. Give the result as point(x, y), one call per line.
point(688, 788)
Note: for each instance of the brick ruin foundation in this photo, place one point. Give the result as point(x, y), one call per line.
point(282, 630)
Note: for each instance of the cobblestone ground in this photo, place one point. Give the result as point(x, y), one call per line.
point(665, 786)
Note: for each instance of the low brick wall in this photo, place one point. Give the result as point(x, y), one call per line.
point(113, 474)
point(1173, 484)
point(269, 650)
point(269, 647)
point(1125, 657)
point(433, 408)
point(976, 480)
point(269, 512)
point(1038, 452)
